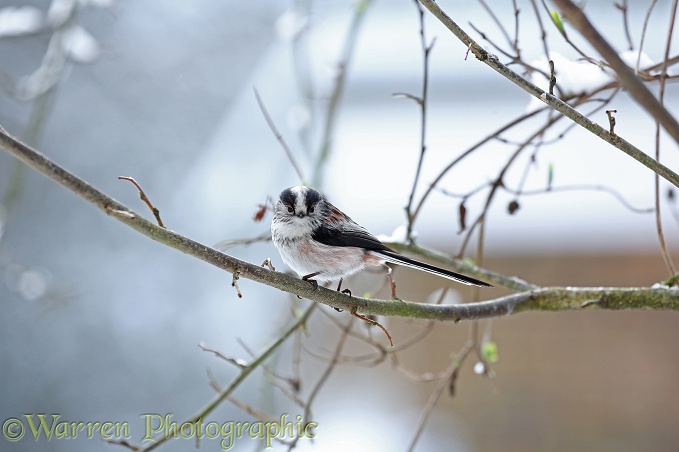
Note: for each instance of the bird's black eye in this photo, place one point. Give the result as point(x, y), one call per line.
point(311, 209)
point(291, 209)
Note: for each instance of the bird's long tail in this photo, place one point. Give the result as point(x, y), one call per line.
point(397, 258)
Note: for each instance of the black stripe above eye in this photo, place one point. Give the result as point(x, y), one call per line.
point(288, 197)
point(312, 197)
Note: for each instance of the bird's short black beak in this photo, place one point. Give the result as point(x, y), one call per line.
point(301, 215)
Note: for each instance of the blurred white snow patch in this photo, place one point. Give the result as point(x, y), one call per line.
point(29, 283)
point(20, 20)
point(290, 24)
point(80, 45)
point(572, 77)
point(450, 296)
point(399, 235)
point(99, 3)
point(630, 57)
point(60, 11)
point(575, 77)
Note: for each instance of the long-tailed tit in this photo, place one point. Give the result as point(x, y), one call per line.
point(321, 243)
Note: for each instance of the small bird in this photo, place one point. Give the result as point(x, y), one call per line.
point(321, 243)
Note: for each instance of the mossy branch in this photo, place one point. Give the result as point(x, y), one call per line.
point(531, 298)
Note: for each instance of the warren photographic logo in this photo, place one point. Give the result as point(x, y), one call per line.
point(43, 426)
point(157, 426)
point(51, 427)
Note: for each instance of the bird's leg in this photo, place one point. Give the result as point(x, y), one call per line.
point(313, 282)
point(372, 322)
point(347, 291)
point(392, 283)
point(268, 264)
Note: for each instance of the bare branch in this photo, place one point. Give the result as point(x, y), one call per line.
point(543, 33)
point(557, 104)
point(239, 363)
point(628, 79)
point(643, 34)
point(279, 136)
point(245, 372)
point(656, 183)
point(551, 299)
point(323, 378)
point(447, 380)
point(234, 283)
point(426, 49)
point(332, 112)
point(552, 77)
point(142, 196)
point(624, 9)
point(611, 121)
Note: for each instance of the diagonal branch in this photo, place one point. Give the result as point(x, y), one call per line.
point(628, 79)
point(242, 376)
point(422, 102)
point(557, 104)
point(531, 299)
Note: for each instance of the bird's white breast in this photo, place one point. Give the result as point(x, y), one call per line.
point(306, 256)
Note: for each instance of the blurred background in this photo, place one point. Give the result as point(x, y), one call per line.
point(98, 323)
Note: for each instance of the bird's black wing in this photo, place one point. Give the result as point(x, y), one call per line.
point(351, 234)
point(347, 234)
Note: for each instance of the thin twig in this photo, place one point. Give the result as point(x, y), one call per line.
point(124, 443)
point(234, 283)
point(562, 107)
point(497, 136)
point(611, 121)
point(323, 378)
point(332, 112)
point(564, 35)
point(667, 257)
point(239, 363)
point(226, 392)
point(647, 17)
point(543, 32)
point(224, 245)
point(494, 44)
point(436, 395)
point(426, 49)
point(498, 181)
point(624, 9)
point(515, 42)
point(641, 94)
point(552, 77)
point(279, 136)
point(466, 154)
point(551, 299)
point(581, 187)
point(252, 411)
point(142, 195)
point(373, 323)
point(498, 22)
